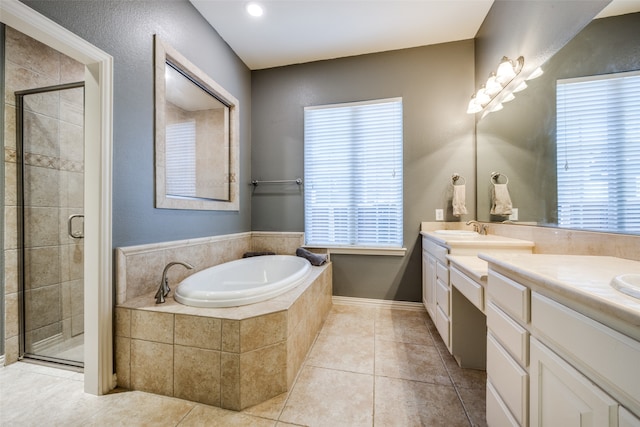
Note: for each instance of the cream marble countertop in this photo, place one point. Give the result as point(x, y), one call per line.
point(476, 240)
point(581, 282)
point(472, 266)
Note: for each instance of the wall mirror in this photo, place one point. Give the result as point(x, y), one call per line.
point(521, 142)
point(196, 136)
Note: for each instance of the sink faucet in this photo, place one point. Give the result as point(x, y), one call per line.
point(477, 227)
point(164, 289)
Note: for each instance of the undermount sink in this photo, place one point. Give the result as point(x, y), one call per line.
point(628, 284)
point(456, 232)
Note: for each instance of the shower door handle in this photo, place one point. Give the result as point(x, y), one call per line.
point(75, 234)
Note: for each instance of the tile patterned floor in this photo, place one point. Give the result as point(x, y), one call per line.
point(368, 367)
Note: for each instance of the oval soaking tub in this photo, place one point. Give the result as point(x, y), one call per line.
point(244, 281)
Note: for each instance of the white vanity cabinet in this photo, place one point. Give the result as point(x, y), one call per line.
point(435, 286)
point(549, 364)
point(437, 292)
point(507, 308)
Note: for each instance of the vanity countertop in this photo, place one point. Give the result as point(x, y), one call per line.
point(476, 240)
point(472, 266)
point(581, 282)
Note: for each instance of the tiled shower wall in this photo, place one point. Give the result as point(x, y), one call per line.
point(57, 287)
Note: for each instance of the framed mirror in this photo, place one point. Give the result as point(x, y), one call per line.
point(196, 136)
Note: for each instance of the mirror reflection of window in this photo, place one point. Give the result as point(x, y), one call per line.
point(598, 152)
point(197, 123)
point(180, 156)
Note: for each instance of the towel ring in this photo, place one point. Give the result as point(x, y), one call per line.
point(455, 177)
point(495, 176)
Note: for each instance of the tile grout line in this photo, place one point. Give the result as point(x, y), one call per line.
point(453, 383)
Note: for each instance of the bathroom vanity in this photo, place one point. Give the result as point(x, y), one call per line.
point(459, 321)
point(563, 346)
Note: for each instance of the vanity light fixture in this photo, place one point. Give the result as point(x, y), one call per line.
point(495, 91)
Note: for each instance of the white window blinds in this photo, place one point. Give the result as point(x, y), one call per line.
point(180, 152)
point(598, 152)
point(353, 174)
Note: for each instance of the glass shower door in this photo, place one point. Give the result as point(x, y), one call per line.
point(51, 174)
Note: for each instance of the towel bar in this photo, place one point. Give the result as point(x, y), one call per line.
point(255, 182)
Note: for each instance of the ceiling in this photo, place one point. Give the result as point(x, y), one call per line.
point(298, 31)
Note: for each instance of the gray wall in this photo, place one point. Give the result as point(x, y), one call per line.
point(125, 30)
point(435, 83)
point(521, 139)
point(535, 29)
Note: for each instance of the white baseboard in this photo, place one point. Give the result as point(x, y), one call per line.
point(380, 303)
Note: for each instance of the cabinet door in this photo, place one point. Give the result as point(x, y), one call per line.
point(562, 396)
point(429, 285)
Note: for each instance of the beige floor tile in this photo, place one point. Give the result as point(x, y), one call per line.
point(136, 408)
point(410, 361)
point(465, 378)
point(326, 397)
point(346, 353)
point(209, 416)
point(350, 321)
point(270, 409)
point(410, 403)
point(474, 403)
point(403, 326)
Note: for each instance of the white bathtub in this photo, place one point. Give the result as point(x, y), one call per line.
point(244, 281)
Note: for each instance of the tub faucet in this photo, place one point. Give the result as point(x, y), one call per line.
point(164, 289)
point(477, 227)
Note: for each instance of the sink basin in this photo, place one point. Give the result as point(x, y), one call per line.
point(628, 284)
point(456, 232)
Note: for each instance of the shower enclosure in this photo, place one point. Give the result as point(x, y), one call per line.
point(50, 159)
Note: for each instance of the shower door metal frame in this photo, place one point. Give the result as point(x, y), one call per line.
point(20, 219)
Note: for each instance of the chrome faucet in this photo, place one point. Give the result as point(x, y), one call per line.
point(164, 289)
point(477, 227)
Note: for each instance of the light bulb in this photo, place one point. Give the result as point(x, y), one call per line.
point(493, 86)
point(481, 96)
point(521, 87)
point(473, 107)
point(505, 71)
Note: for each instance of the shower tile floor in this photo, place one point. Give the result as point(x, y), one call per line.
point(368, 367)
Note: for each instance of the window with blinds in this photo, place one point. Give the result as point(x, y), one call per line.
point(353, 174)
point(180, 152)
point(598, 152)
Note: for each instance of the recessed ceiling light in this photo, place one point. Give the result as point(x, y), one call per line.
point(254, 9)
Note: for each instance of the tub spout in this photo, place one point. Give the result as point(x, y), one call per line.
point(164, 289)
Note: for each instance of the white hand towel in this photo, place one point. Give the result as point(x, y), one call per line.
point(459, 207)
point(501, 201)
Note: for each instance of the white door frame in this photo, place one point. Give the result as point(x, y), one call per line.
point(98, 301)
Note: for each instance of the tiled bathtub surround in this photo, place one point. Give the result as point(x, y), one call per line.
point(227, 357)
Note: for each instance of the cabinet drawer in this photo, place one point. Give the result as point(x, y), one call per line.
point(440, 252)
point(512, 297)
point(442, 272)
point(473, 291)
point(597, 350)
point(442, 325)
point(509, 379)
point(511, 335)
point(497, 412)
point(442, 296)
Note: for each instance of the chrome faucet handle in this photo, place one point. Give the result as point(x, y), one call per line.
point(164, 289)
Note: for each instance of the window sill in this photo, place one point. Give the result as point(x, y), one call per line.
point(361, 250)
